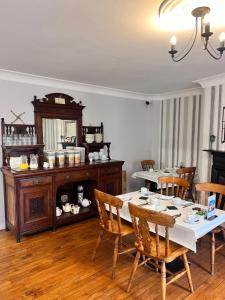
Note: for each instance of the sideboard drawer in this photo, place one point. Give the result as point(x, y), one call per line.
point(76, 176)
point(35, 181)
point(111, 170)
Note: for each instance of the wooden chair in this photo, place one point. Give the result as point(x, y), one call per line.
point(219, 190)
point(173, 186)
point(111, 225)
point(155, 248)
point(188, 174)
point(146, 165)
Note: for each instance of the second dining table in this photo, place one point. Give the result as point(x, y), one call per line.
point(183, 232)
point(153, 175)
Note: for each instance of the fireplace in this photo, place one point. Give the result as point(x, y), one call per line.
point(218, 168)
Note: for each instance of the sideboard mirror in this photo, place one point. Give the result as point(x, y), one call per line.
point(58, 121)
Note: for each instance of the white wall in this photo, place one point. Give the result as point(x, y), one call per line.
point(127, 123)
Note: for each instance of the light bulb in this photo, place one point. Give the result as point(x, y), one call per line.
point(206, 19)
point(222, 37)
point(173, 40)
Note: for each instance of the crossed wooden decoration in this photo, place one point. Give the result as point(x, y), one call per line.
point(18, 117)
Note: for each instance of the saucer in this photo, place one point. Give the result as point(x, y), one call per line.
point(196, 220)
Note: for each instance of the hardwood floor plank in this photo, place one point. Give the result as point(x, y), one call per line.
point(58, 266)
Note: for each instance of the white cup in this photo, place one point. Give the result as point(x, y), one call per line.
point(151, 170)
point(144, 190)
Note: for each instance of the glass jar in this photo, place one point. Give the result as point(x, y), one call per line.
point(77, 157)
point(23, 162)
point(50, 158)
point(70, 157)
point(60, 158)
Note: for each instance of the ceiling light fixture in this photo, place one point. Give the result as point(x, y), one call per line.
point(201, 13)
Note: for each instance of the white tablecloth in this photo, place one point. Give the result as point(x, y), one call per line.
point(154, 175)
point(182, 233)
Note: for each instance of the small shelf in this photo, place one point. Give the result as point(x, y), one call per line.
point(21, 147)
point(92, 147)
point(84, 213)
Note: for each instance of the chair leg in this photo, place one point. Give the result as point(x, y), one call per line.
point(213, 254)
point(97, 244)
point(163, 280)
point(188, 272)
point(224, 234)
point(135, 265)
point(115, 255)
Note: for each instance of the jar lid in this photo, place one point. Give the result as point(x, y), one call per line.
point(59, 152)
point(50, 152)
point(70, 151)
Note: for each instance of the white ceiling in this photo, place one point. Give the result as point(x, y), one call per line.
point(102, 42)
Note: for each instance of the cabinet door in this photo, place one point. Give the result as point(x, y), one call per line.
point(36, 208)
point(111, 184)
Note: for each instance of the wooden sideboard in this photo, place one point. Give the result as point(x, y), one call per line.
point(31, 196)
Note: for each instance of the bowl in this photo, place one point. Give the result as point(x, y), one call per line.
point(89, 138)
point(98, 137)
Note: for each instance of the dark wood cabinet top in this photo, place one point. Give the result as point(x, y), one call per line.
point(41, 171)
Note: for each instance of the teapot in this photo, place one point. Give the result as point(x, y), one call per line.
point(67, 207)
point(58, 212)
point(85, 202)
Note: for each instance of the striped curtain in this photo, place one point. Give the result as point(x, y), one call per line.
point(180, 131)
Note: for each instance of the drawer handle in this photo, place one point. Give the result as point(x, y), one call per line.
point(67, 177)
point(36, 181)
point(87, 173)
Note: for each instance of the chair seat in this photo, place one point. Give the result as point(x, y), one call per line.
point(175, 250)
point(126, 229)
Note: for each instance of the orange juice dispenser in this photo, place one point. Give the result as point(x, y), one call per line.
point(23, 162)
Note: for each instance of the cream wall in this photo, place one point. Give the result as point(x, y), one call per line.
point(125, 122)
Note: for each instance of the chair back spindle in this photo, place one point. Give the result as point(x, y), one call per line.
point(188, 173)
point(108, 208)
point(146, 242)
point(173, 186)
point(208, 189)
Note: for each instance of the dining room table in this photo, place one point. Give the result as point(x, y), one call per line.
point(153, 175)
point(186, 231)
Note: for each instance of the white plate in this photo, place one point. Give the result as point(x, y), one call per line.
point(191, 222)
point(164, 197)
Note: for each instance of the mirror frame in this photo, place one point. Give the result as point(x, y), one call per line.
point(57, 106)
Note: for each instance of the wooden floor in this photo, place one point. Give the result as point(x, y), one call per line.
point(57, 265)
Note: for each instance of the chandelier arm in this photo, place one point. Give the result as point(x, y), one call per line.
point(213, 56)
point(177, 59)
point(188, 43)
point(206, 44)
point(210, 45)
